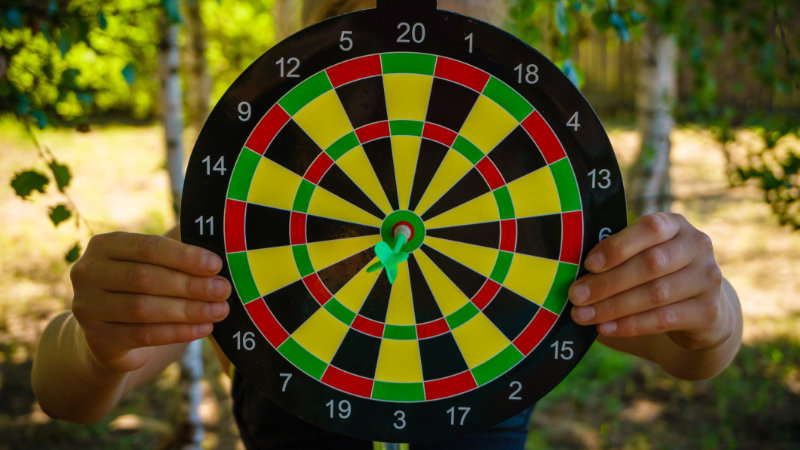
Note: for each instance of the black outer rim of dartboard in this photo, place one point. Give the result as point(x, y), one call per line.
point(553, 96)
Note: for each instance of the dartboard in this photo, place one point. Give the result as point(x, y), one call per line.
point(402, 197)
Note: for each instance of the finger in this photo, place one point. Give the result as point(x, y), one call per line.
point(138, 308)
point(685, 315)
point(148, 335)
point(137, 278)
point(158, 250)
point(646, 232)
point(650, 264)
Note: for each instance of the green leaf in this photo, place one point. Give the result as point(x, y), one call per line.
point(23, 105)
point(61, 174)
point(73, 254)
point(101, 20)
point(24, 183)
point(129, 73)
point(59, 214)
point(64, 43)
point(41, 118)
point(620, 27)
point(601, 19)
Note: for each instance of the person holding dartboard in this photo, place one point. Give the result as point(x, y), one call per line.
point(402, 225)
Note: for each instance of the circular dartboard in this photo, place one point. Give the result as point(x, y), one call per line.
point(402, 197)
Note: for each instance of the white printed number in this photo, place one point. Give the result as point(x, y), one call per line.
point(573, 122)
point(458, 415)
point(286, 377)
point(218, 166)
point(399, 419)
point(411, 33)
point(604, 233)
point(517, 388)
point(562, 350)
point(288, 67)
point(469, 39)
point(527, 74)
point(600, 178)
point(345, 41)
point(206, 225)
point(245, 341)
point(244, 111)
point(342, 409)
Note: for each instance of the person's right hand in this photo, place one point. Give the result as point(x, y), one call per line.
point(133, 292)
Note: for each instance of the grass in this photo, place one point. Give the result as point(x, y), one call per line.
point(611, 400)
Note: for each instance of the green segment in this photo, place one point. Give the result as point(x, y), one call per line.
point(497, 366)
point(461, 316)
point(302, 259)
point(305, 92)
point(303, 196)
point(343, 145)
point(408, 63)
point(508, 98)
point(340, 311)
point(501, 267)
point(398, 392)
point(243, 173)
point(468, 149)
point(568, 193)
point(403, 216)
point(557, 297)
point(504, 203)
point(302, 358)
point(405, 128)
point(242, 277)
point(400, 332)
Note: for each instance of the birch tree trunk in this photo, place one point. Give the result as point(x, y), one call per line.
point(198, 80)
point(649, 183)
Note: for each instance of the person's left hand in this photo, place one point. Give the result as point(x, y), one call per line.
point(657, 275)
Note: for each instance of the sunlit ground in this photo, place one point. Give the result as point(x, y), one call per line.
point(610, 401)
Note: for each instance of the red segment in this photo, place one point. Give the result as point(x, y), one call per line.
point(266, 322)
point(438, 133)
point(318, 168)
point(536, 331)
point(234, 226)
point(431, 329)
point(368, 326)
point(508, 235)
point(317, 289)
point(486, 294)
point(297, 225)
point(355, 69)
point(458, 72)
point(490, 173)
point(446, 387)
point(267, 128)
point(545, 139)
point(373, 131)
point(571, 236)
point(347, 382)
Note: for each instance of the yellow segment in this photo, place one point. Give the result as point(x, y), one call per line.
point(401, 308)
point(325, 253)
point(479, 340)
point(447, 295)
point(273, 185)
point(321, 334)
point(405, 151)
point(356, 165)
point(535, 194)
point(354, 293)
point(407, 96)
point(477, 210)
point(399, 362)
point(453, 167)
point(324, 119)
point(325, 204)
point(273, 268)
point(477, 258)
point(487, 124)
point(531, 277)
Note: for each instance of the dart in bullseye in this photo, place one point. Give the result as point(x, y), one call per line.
point(390, 257)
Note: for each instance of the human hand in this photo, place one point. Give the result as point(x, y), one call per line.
point(657, 275)
point(133, 292)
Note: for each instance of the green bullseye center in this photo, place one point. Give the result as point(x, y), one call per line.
point(409, 218)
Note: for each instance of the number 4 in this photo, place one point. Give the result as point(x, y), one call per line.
point(573, 122)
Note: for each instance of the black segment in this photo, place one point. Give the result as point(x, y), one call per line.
point(468, 187)
point(337, 182)
point(441, 357)
point(431, 154)
point(425, 307)
point(466, 279)
point(517, 155)
point(450, 104)
point(377, 302)
point(292, 305)
point(337, 275)
point(266, 227)
point(483, 234)
point(364, 101)
point(379, 153)
point(510, 312)
point(293, 148)
point(325, 229)
point(358, 354)
point(540, 236)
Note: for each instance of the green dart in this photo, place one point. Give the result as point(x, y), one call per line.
point(390, 257)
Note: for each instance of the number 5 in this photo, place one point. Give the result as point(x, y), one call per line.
point(345, 41)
